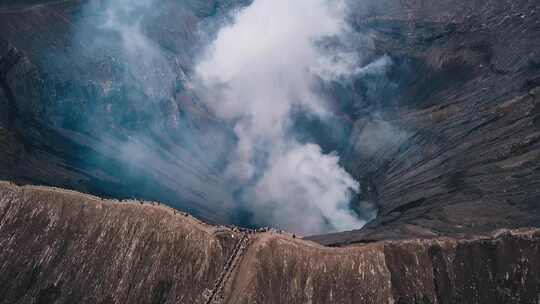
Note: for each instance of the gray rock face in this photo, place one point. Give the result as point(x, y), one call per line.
point(56, 97)
point(59, 246)
point(466, 164)
point(470, 163)
point(467, 104)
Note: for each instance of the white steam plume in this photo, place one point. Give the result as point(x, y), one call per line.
point(259, 69)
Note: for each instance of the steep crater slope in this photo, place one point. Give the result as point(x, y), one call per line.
point(59, 97)
point(471, 161)
point(467, 98)
point(59, 246)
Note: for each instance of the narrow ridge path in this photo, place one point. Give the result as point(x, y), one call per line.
point(216, 295)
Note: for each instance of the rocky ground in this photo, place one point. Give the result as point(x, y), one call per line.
point(60, 246)
point(471, 161)
point(467, 99)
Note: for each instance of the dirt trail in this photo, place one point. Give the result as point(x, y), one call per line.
point(216, 295)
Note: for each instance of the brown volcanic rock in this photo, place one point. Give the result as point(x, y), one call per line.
point(64, 247)
point(59, 246)
point(470, 166)
point(501, 269)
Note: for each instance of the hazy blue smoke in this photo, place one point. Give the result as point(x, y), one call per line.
point(218, 131)
point(143, 58)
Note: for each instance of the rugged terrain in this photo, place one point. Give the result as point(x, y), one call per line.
point(471, 161)
point(60, 246)
point(465, 91)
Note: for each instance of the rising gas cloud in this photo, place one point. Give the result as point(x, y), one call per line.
point(261, 68)
point(207, 118)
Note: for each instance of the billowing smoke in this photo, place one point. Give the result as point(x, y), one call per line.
point(258, 71)
point(304, 190)
point(247, 132)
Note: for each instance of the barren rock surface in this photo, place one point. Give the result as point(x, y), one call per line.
point(467, 97)
point(470, 108)
point(468, 89)
point(58, 246)
point(64, 247)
